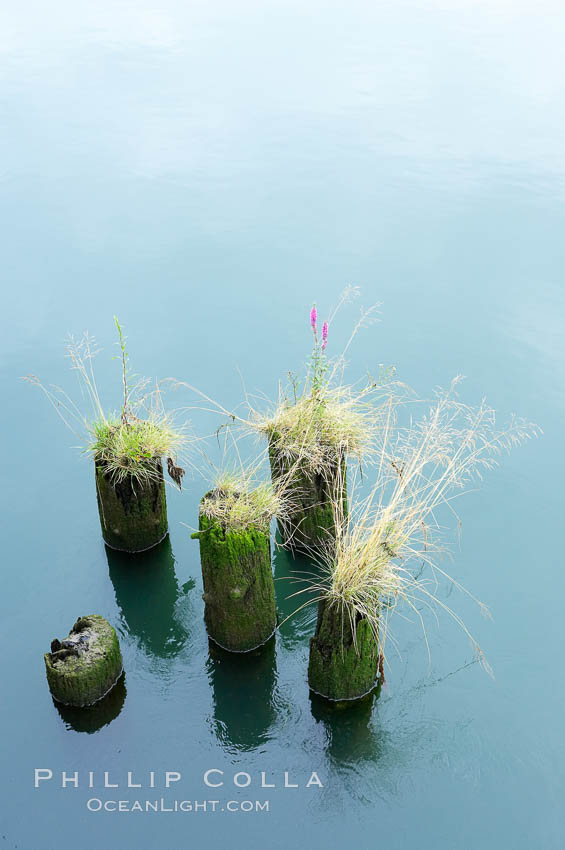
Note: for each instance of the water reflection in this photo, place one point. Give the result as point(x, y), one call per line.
point(351, 735)
point(94, 717)
point(147, 593)
point(243, 686)
point(292, 576)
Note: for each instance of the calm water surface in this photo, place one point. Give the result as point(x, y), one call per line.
point(206, 171)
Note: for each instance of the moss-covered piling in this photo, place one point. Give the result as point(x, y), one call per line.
point(342, 666)
point(133, 513)
point(239, 593)
point(85, 665)
point(310, 524)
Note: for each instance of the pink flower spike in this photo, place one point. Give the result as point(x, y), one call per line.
point(313, 318)
point(324, 335)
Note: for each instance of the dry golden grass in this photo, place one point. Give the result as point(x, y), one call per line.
point(387, 550)
point(322, 425)
point(239, 501)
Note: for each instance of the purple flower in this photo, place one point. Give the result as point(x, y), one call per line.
point(313, 318)
point(324, 335)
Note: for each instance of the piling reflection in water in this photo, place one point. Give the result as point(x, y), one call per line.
point(147, 593)
point(350, 728)
point(94, 717)
point(292, 575)
point(243, 687)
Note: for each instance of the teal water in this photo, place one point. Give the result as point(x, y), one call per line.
point(206, 171)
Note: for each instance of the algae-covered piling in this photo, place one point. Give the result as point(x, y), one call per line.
point(128, 448)
point(314, 495)
point(239, 593)
point(83, 667)
point(133, 512)
point(343, 663)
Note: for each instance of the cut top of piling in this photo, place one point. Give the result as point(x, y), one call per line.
point(85, 645)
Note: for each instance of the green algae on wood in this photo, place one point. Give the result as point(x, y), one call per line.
point(133, 513)
point(85, 665)
point(342, 666)
point(239, 592)
point(310, 525)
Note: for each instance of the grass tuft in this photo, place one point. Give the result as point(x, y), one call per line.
point(322, 417)
point(133, 448)
point(238, 503)
point(131, 443)
point(320, 426)
point(387, 549)
point(318, 418)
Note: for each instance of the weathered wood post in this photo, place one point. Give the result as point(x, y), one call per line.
point(342, 665)
point(239, 592)
point(314, 496)
point(85, 665)
point(133, 513)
